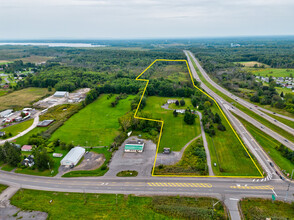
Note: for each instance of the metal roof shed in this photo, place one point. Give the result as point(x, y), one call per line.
point(73, 156)
point(134, 147)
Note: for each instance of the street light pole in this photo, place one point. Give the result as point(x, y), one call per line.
point(289, 185)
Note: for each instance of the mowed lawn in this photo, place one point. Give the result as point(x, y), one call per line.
point(96, 124)
point(22, 98)
point(228, 153)
point(117, 206)
point(16, 129)
point(176, 133)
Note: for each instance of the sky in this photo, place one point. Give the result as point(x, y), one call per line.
point(137, 19)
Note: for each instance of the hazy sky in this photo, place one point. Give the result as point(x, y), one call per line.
point(112, 19)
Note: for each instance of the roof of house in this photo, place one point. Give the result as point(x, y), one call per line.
point(60, 93)
point(26, 147)
point(74, 154)
point(134, 146)
point(6, 112)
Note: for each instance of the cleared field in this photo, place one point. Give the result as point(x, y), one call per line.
point(252, 63)
point(34, 59)
point(266, 209)
point(24, 139)
point(268, 143)
point(16, 129)
point(176, 133)
point(111, 206)
point(272, 72)
point(22, 98)
point(96, 124)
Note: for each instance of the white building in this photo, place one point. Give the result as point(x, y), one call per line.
point(73, 156)
point(61, 94)
point(5, 113)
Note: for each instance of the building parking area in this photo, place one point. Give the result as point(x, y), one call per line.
point(142, 162)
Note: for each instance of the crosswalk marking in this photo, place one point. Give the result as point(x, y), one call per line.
point(158, 184)
point(268, 187)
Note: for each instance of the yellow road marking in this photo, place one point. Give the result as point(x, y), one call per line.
point(268, 187)
point(162, 122)
point(205, 185)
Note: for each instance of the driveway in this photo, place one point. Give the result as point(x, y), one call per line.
point(141, 162)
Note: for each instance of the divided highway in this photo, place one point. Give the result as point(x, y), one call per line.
point(230, 107)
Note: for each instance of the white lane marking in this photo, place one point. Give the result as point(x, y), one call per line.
point(261, 180)
point(257, 180)
point(234, 199)
point(253, 180)
point(275, 193)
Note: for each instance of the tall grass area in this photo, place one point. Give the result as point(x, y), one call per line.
point(246, 110)
point(18, 128)
point(25, 138)
point(266, 209)
point(227, 152)
point(193, 162)
point(2, 188)
point(176, 133)
point(268, 143)
point(111, 206)
point(22, 98)
point(96, 124)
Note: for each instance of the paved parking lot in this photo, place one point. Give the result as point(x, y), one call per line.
point(141, 162)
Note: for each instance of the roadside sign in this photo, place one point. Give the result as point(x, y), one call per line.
point(273, 197)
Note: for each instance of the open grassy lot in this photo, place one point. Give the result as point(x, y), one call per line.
point(252, 63)
point(127, 173)
point(34, 59)
point(3, 92)
point(2, 187)
point(111, 206)
point(96, 124)
point(24, 139)
point(272, 72)
point(16, 129)
point(193, 162)
point(98, 172)
point(176, 133)
point(266, 209)
point(268, 143)
point(246, 110)
point(22, 98)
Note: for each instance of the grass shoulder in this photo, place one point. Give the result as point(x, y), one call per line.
point(127, 173)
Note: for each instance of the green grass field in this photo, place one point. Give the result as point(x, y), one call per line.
point(16, 129)
point(272, 72)
point(266, 209)
point(268, 143)
point(22, 98)
point(111, 206)
point(176, 133)
point(96, 124)
point(2, 188)
point(24, 139)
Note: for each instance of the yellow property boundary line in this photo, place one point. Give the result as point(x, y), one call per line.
point(162, 123)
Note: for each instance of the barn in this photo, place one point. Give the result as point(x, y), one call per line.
point(73, 156)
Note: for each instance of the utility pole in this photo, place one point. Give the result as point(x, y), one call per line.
point(289, 185)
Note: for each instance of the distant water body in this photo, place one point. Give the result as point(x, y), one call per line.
point(54, 44)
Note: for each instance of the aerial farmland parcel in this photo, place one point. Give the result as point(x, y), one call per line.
point(95, 125)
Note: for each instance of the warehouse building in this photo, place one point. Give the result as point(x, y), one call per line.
point(73, 156)
point(5, 113)
point(61, 94)
point(134, 146)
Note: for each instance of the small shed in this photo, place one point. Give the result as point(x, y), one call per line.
point(134, 146)
point(61, 94)
point(73, 156)
point(44, 123)
point(26, 148)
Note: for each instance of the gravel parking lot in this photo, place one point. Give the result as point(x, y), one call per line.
point(141, 162)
